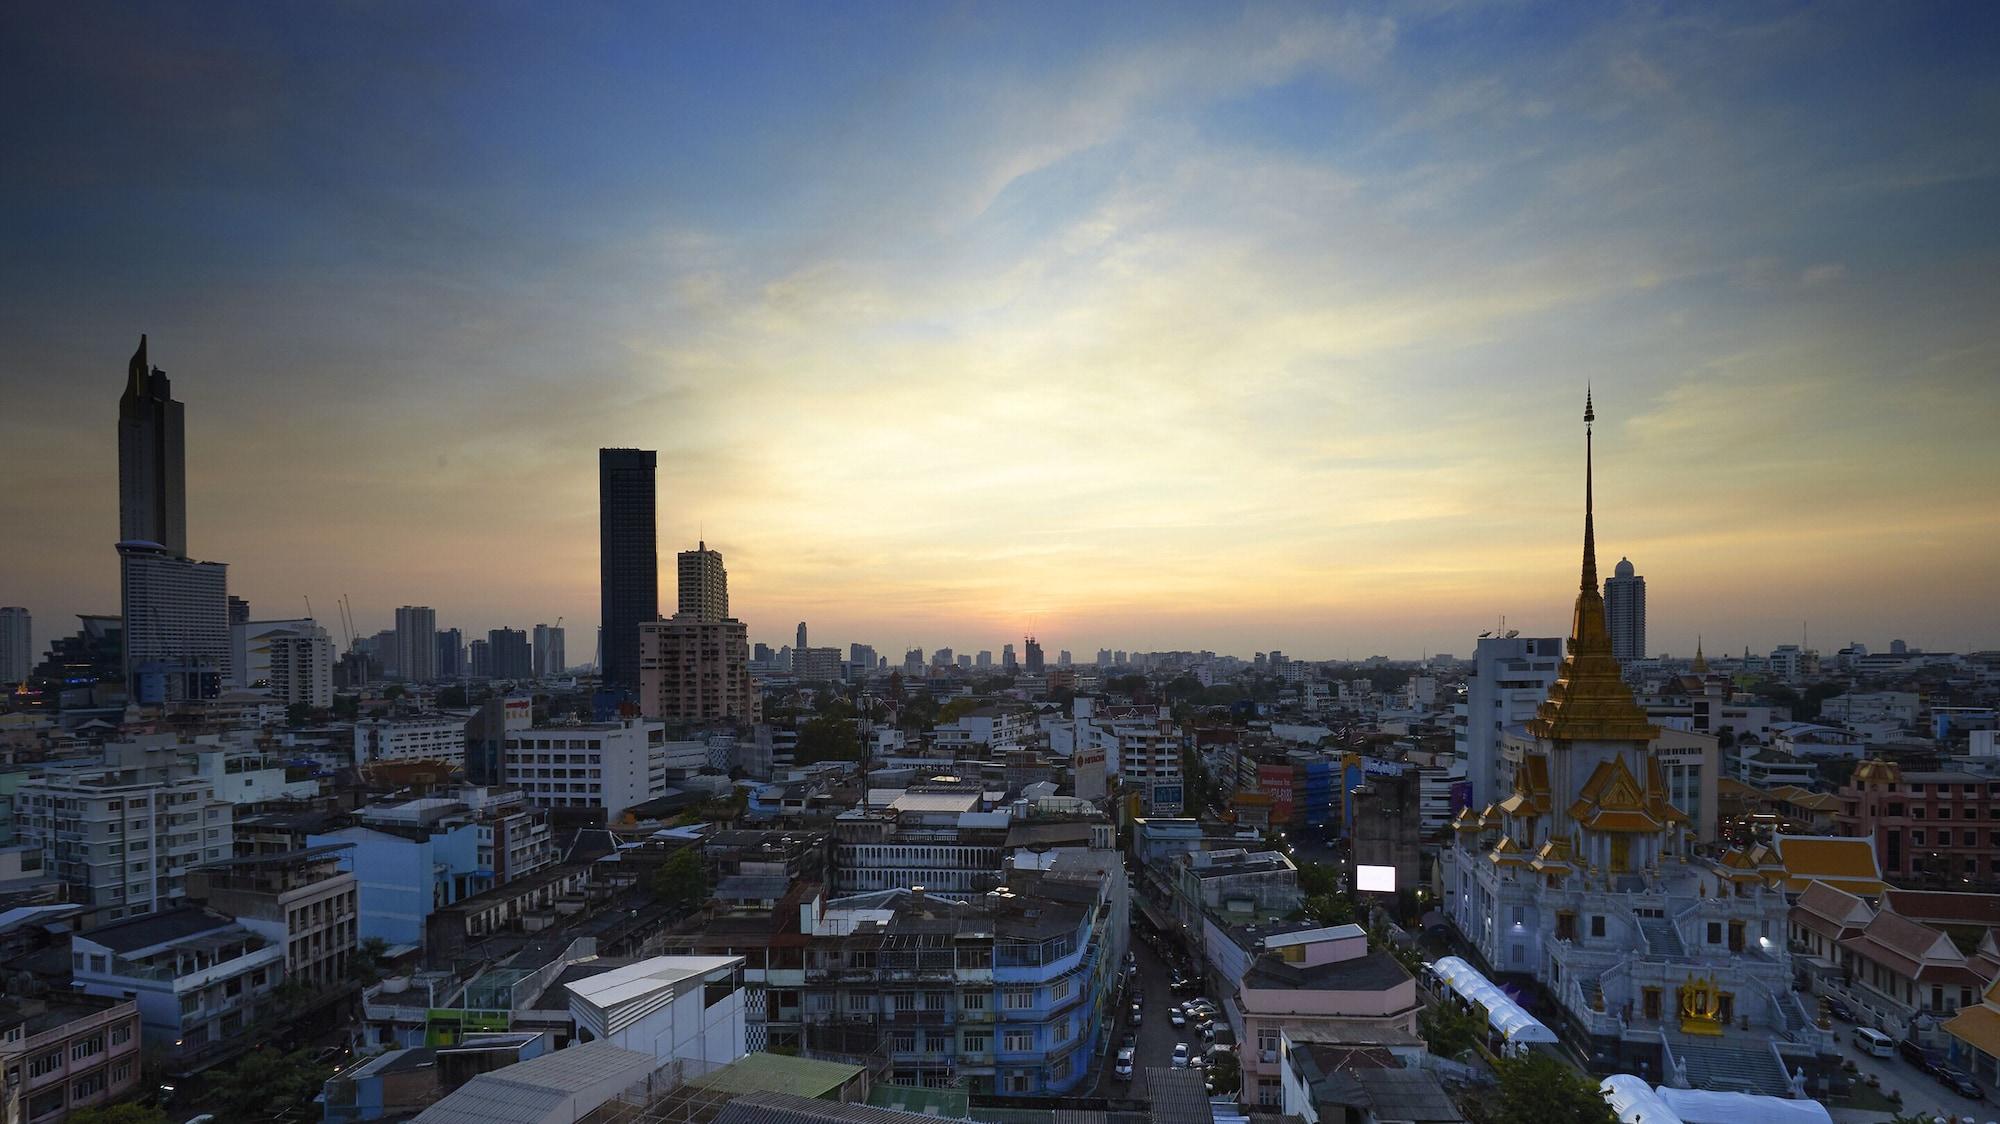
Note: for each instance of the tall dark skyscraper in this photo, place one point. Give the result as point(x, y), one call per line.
point(152, 467)
point(627, 558)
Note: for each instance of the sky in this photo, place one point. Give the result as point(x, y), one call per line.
point(1140, 326)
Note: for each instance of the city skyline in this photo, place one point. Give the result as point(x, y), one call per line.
point(952, 398)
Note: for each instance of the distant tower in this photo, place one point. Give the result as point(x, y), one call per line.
point(704, 587)
point(1034, 658)
point(416, 643)
point(152, 463)
point(1007, 660)
point(1625, 613)
point(802, 636)
point(16, 644)
point(628, 559)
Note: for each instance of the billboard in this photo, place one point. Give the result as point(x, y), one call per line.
point(1376, 879)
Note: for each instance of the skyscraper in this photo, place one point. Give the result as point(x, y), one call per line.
point(1625, 613)
point(696, 666)
point(628, 558)
point(177, 640)
point(176, 624)
point(802, 635)
point(1034, 659)
point(16, 644)
point(1007, 659)
point(704, 589)
point(507, 652)
point(450, 654)
point(152, 467)
point(416, 643)
point(548, 653)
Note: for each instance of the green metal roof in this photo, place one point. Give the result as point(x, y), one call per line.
point(779, 1073)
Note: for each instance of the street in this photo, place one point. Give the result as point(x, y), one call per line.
point(1156, 1032)
point(1922, 1093)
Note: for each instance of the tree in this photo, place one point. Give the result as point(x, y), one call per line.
point(828, 737)
point(681, 881)
point(1449, 1031)
point(957, 709)
point(297, 715)
point(1225, 1072)
point(454, 695)
point(367, 963)
point(127, 1113)
point(1317, 878)
point(264, 1083)
point(1538, 1089)
point(1330, 909)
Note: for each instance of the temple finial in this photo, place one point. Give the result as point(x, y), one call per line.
point(1589, 582)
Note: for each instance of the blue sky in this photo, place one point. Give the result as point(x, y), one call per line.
point(1144, 325)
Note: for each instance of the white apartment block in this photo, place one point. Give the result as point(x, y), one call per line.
point(1511, 677)
point(988, 728)
point(200, 978)
point(1149, 763)
point(608, 765)
point(423, 737)
point(123, 839)
point(295, 665)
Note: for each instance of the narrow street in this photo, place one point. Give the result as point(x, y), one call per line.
point(1922, 1093)
point(1156, 1033)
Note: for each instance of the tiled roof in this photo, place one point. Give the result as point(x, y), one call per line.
point(1978, 1027)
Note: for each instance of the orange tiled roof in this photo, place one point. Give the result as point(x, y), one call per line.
point(1978, 1027)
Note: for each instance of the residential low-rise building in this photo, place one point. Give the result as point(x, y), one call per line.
point(302, 901)
point(66, 1053)
point(604, 766)
point(1936, 826)
point(416, 737)
point(201, 979)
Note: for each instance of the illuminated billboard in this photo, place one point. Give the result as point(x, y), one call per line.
point(1380, 879)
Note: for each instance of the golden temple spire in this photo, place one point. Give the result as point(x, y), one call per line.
point(1589, 700)
point(1700, 661)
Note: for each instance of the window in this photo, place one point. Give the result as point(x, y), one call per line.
point(1969, 838)
point(1059, 991)
point(86, 1047)
point(1944, 811)
point(1019, 1041)
point(47, 1063)
point(905, 1000)
point(1596, 924)
point(1916, 838)
point(88, 1085)
point(857, 1001)
point(1019, 998)
point(973, 1001)
point(978, 1043)
point(1715, 932)
point(120, 1035)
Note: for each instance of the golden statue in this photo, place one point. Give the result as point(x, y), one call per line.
point(1701, 1008)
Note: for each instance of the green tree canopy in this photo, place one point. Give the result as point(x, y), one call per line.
point(264, 1083)
point(1448, 1031)
point(828, 737)
point(1317, 878)
point(1330, 909)
point(1538, 1089)
point(681, 881)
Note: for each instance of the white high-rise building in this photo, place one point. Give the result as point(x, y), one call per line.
point(17, 650)
point(299, 663)
point(176, 624)
point(1511, 677)
point(416, 643)
point(608, 765)
point(1625, 613)
point(548, 655)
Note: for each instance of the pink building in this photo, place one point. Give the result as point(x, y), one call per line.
point(1326, 982)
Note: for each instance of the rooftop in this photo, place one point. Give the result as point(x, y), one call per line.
point(1377, 971)
point(155, 930)
point(553, 1088)
point(802, 1077)
point(769, 1107)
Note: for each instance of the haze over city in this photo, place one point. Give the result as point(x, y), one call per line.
point(1148, 328)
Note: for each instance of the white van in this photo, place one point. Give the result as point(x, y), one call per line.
point(1875, 1042)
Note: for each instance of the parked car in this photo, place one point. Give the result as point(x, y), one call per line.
point(1177, 1016)
point(1180, 1055)
point(1917, 1056)
point(1958, 1082)
point(1122, 1068)
point(1131, 1041)
point(1840, 1010)
point(1134, 1020)
point(1872, 1041)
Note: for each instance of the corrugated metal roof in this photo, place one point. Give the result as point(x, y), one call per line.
point(542, 1090)
point(784, 1108)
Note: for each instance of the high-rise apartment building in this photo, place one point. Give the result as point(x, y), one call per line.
point(1007, 659)
point(479, 657)
point(802, 635)
point(293, 659)
point(450, 654)
point(1625, 613)
point(704, 585)
point(984, 660)
point(416, 643)
point(1034, 650)
point(944, 657)
point(17, 646)
point(862, 656)
point(507, 649)
point(124, 837)
point(548, 654)
point(152, 475)
point(176, 610)
point(696, 666)
point(628, 558)
point(1511, 677)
